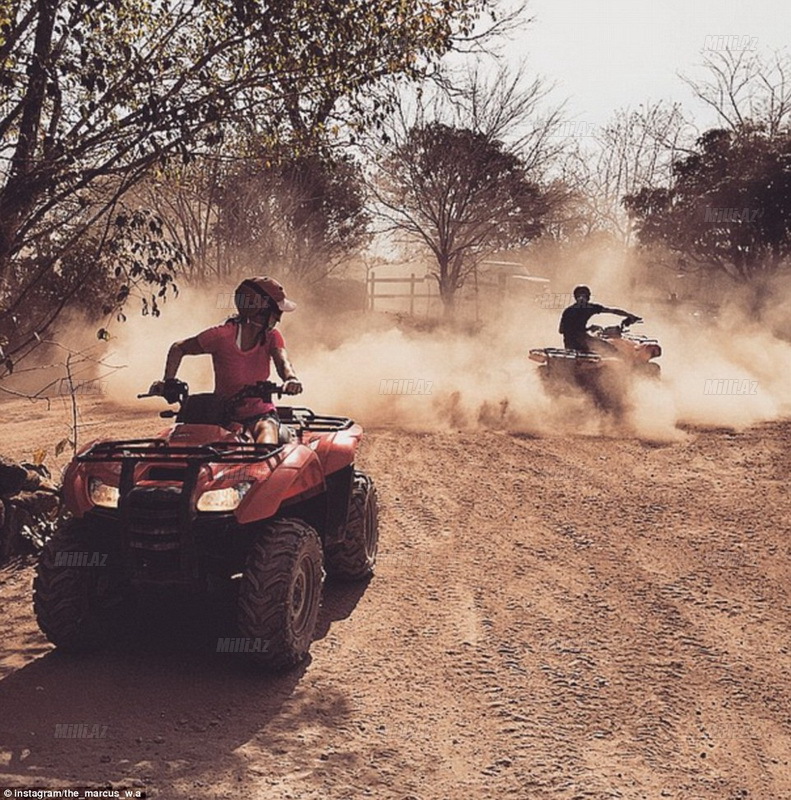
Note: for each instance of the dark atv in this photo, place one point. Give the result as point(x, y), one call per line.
point(202, 505)
point(605, 378)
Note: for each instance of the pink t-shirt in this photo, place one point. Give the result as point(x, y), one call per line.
point(235, 368)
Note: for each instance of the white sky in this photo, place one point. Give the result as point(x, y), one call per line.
point(608, 54)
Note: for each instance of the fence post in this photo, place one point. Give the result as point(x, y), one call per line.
point(412, 295)
point(372, 291)
point(428, 296)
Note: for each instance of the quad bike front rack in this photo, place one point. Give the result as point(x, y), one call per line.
point(171, 508)
point(142, 450)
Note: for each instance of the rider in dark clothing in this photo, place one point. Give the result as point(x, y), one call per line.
point(574, 323)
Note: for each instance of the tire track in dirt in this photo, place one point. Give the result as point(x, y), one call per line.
point(555, 618)
point(664, 646)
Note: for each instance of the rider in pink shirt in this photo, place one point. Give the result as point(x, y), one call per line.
point(235, 368)
point(241, 350)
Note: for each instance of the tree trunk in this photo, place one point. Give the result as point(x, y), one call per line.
point(447, 293)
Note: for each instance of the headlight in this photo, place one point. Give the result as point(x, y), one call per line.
point(103, 495)
point(223, 499)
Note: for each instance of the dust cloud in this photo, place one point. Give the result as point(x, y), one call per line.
point(384, 371)
point(142, 343)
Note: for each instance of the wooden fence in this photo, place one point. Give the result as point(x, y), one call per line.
point(371, 294)
point(425, 288)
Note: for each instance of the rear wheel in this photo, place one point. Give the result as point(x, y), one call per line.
point(353, 558)
point(559, 378)
point(78, 598)
point(608, 386)
point(280, 593)
point(549, 380)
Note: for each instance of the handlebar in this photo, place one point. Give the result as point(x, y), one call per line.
point(623, 324)
point(173, 390)
point(262, 389)
point(176, 391)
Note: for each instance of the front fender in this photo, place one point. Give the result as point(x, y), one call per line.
point(299, 473)
point(338, 450)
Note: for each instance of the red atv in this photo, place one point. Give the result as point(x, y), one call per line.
point(203, 505)
point(604, 377)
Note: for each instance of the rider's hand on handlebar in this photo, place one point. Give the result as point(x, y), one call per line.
point(292, 386)
point(171, 389)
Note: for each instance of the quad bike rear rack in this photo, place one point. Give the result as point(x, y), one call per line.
point(543, 354)
point(154, 449)
point(307, 420)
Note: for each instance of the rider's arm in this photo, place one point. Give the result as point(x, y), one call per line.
point(283, 364)
point(620, 312)
point(186, 347)
point(291, 383)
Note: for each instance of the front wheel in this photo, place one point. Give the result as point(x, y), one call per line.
point(78, 598)
point(353, 558)
point(280, 593)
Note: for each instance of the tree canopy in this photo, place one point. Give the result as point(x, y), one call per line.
point(93, 93)
point(728, 208)
point(460, 193)
point(302, 213)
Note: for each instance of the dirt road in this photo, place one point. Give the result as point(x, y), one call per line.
point(557, 618)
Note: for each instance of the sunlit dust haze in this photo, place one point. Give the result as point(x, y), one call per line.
point(382, 373)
